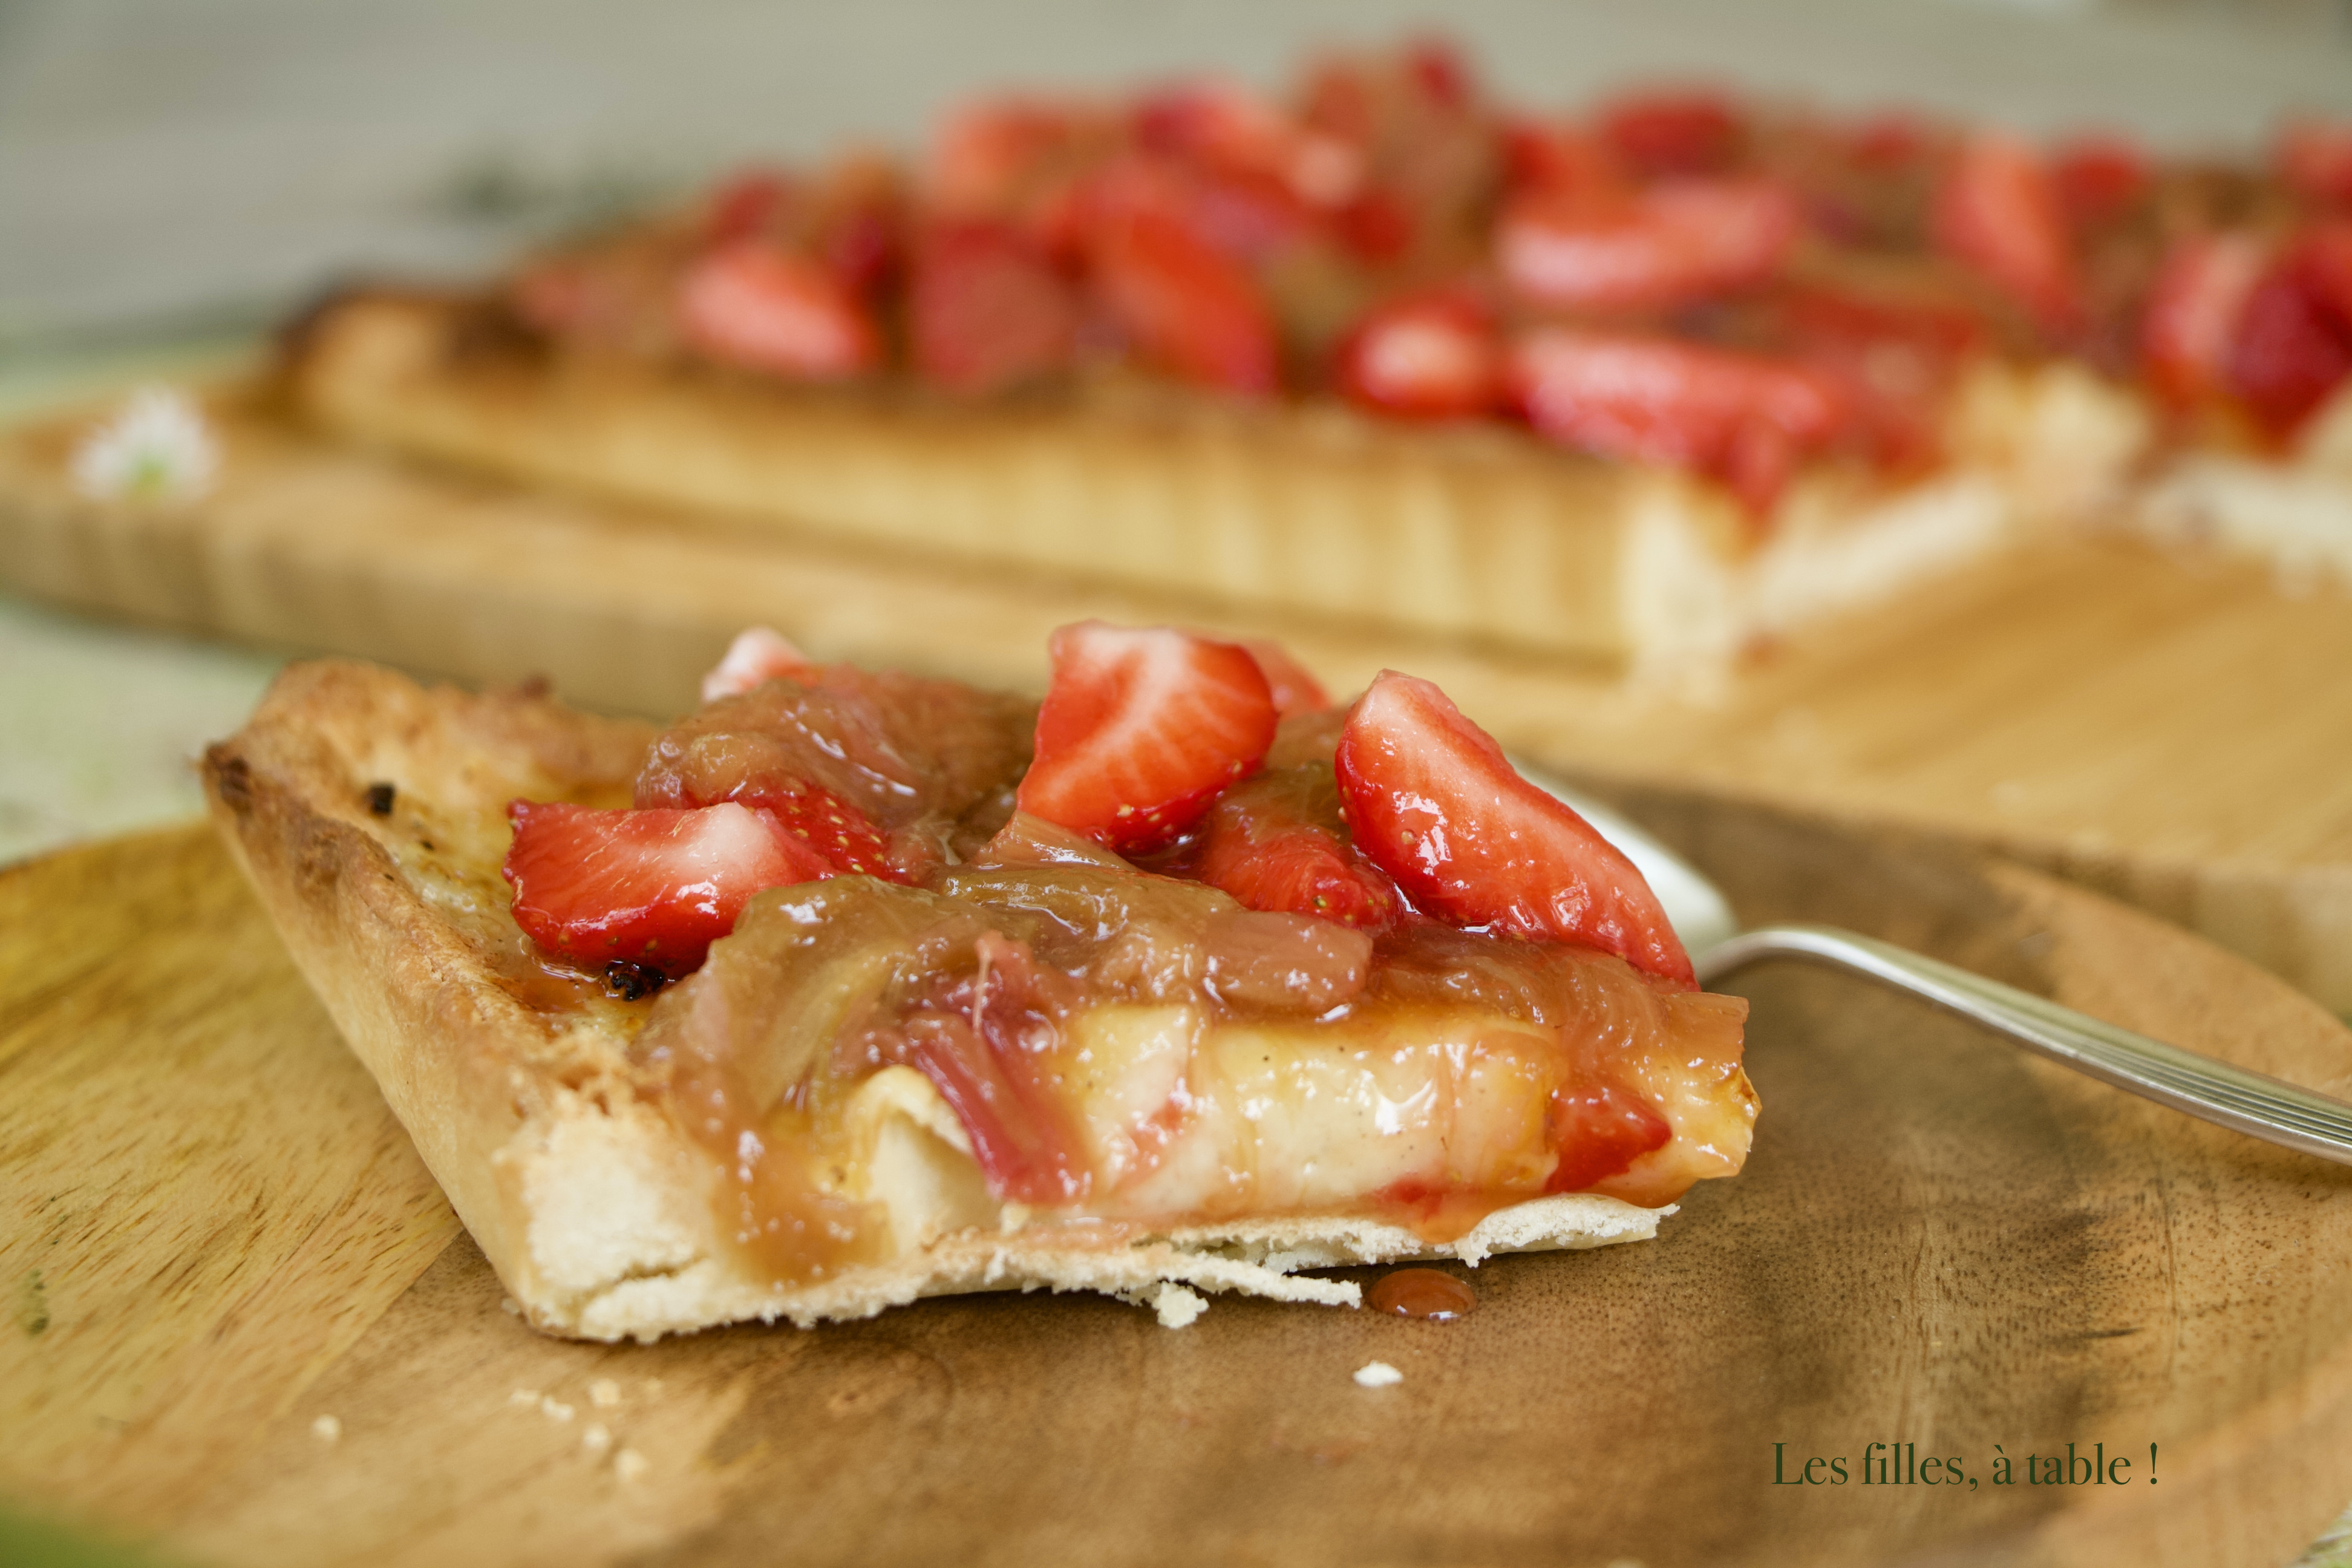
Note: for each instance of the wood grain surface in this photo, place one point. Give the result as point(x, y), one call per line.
point(218, 1239)
point(2170, 731)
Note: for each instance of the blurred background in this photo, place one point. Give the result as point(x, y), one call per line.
point(188, 165)
point(174, 176)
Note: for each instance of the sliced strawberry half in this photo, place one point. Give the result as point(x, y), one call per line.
point(650, 888)
point(1432, 802)
point(844, 838)
point(1275, 842)
point(1140, 728)
point(758, 307)
point(1740, 419)
point(2291, 352)
point(757, 655)
point(1430, 356)
point(1673, 131)
point(2315, 157)
point(1998, 212)
point(988, 309)
point(1187, 306)
point(2098, 177)
point(1677, 242)
point(1294, 687)
point(2193, 311)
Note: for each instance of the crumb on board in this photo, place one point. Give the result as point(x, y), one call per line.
point(595, 1439)
point(1177, 1306)
point(555, 1409)
point(509, 1306)
point(603, 1393)
point(326, 1428)
point(1378, 1375)
point(530, 1396)
point(629, 1465)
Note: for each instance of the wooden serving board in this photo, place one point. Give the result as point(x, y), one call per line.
point(217, 1240)
point(2175, 734)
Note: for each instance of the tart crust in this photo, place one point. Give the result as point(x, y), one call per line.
point(596, 1212)
point(1476, 532)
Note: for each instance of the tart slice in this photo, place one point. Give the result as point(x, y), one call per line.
point(851, 988)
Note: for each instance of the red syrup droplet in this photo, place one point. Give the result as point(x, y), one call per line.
point(1425, 1293)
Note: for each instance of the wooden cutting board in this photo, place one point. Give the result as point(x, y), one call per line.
point(2175, 734)
point(247, 1328)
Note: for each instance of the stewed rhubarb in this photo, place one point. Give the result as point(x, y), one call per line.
point(1341, 962)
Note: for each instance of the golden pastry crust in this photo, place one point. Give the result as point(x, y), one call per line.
point(1473, 532)
point(597, 1213)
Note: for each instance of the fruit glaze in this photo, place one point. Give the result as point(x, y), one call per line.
point(1677, 277)
point(1187, 943)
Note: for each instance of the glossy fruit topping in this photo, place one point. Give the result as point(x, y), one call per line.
point(1433, 803)
point(757, 308)
point(2292, 351)
point(1675, 242)
point(988, 309)
point(1278, 842)
point(1430, 356)
point(1189, 308)
point(653, 888)
point(1141, 729)
point(1294, 687)
point(2194, 311)
point(1742, 419)
point(1684, 131)
point(2001, 212)
point(757, 655)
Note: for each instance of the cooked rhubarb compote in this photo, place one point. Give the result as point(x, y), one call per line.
point(1156, 953)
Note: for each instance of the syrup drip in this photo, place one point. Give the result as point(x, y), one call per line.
point(1426, 1293)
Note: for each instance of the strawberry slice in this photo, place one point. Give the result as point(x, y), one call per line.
point(1429, 356)
point(1188, 307)
point(1741, 419)
point(2193, 311)
point(1277, 843)
point(1294, 687)
point(988, 309)
point(2315, 157)
point(1999, 213)
point(1140, 728)
point(2291, 351)
point(844, 838)
point(757, 308)
point(1673, 244)
point(653, 889)
point(1673, 131)
point(2097, 177)
point(745, 204)
point(757, 655)
point(1433, 803)
point(1600, 1130)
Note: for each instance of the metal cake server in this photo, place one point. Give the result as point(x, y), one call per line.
point(2250, 1102)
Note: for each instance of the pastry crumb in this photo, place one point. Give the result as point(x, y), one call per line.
point(1177, 1306)
point(555, 1409)
point(595, 1439)
point(629, 1465)
point(326, 1428)
point(1378, 1375)
point(603, 1393)
point(523, 1396)
point(509, 1306)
